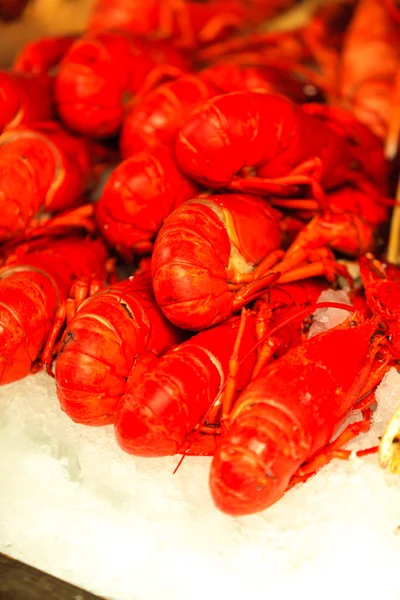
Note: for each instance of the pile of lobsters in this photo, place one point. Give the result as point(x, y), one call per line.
point(177, 189)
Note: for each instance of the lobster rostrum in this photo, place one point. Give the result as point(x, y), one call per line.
point(100, 345)
point(41, 166)
point(34, 282)
point(101, 73)
point(24, 98)
point(235, 135)
point(141, 192)
point(287, 415)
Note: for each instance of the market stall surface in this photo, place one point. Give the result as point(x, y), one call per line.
point(73, 504)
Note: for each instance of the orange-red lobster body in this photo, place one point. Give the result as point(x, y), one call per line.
point(44, 55)
point(40, 166)
point(237, 133)
point(161, 408)
point(370, 63)
point(101, 73)
point(156, 119)
point(381, 282)
point(100, 345)
point(32, 286)
point(187, 24)
point(24, 98)
point(141, 192)
point(351, 224)
point(158, 412)
point(287, 415)
point(205, 251)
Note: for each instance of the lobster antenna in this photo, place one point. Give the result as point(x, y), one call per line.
point(393, 253)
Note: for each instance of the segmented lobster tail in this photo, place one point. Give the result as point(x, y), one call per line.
point(100, 345)
point(24, 98)
point(40, 166)
point(31, 290)
point(101, 73)
point(141, 192)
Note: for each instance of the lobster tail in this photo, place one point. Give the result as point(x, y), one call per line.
point(99, 348)
point(155, 120)
point(202, 251)
point(31, 290)
point(141, 192)
point(189, 267)
point(24, 98)
point(100, 74)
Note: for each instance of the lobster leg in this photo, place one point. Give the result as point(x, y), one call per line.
point(307, 173)
point(334, 449)
point(80, 290)
point(261, 269)
point(322, 263)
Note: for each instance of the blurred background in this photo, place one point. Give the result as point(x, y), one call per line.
point(25, 20)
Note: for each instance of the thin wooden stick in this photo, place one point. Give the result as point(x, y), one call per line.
point(393, 253)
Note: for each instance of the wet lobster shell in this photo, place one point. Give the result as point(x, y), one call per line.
point(200, 248)
point(32, 286)
point(41, 165)
point(102, 72)
point(139, 195)
point(24, 98)
point(100, 345)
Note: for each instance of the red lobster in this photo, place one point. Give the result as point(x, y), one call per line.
point(24, 98)
point(237, 134)
point(40, 166)
point(350, 224)
point(101, 73)
point(44, 55)
point(369, 65)
point(33, 285)
point(160, 409)
point(141, 192)
point(206, 254)
point(100, 345)
point(156, 119)
point(381, 282)
point(288, 414)
point(187, 23)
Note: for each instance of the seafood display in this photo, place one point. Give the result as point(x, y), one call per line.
point(177, 189)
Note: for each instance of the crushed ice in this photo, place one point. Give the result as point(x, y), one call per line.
point(73, 504)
